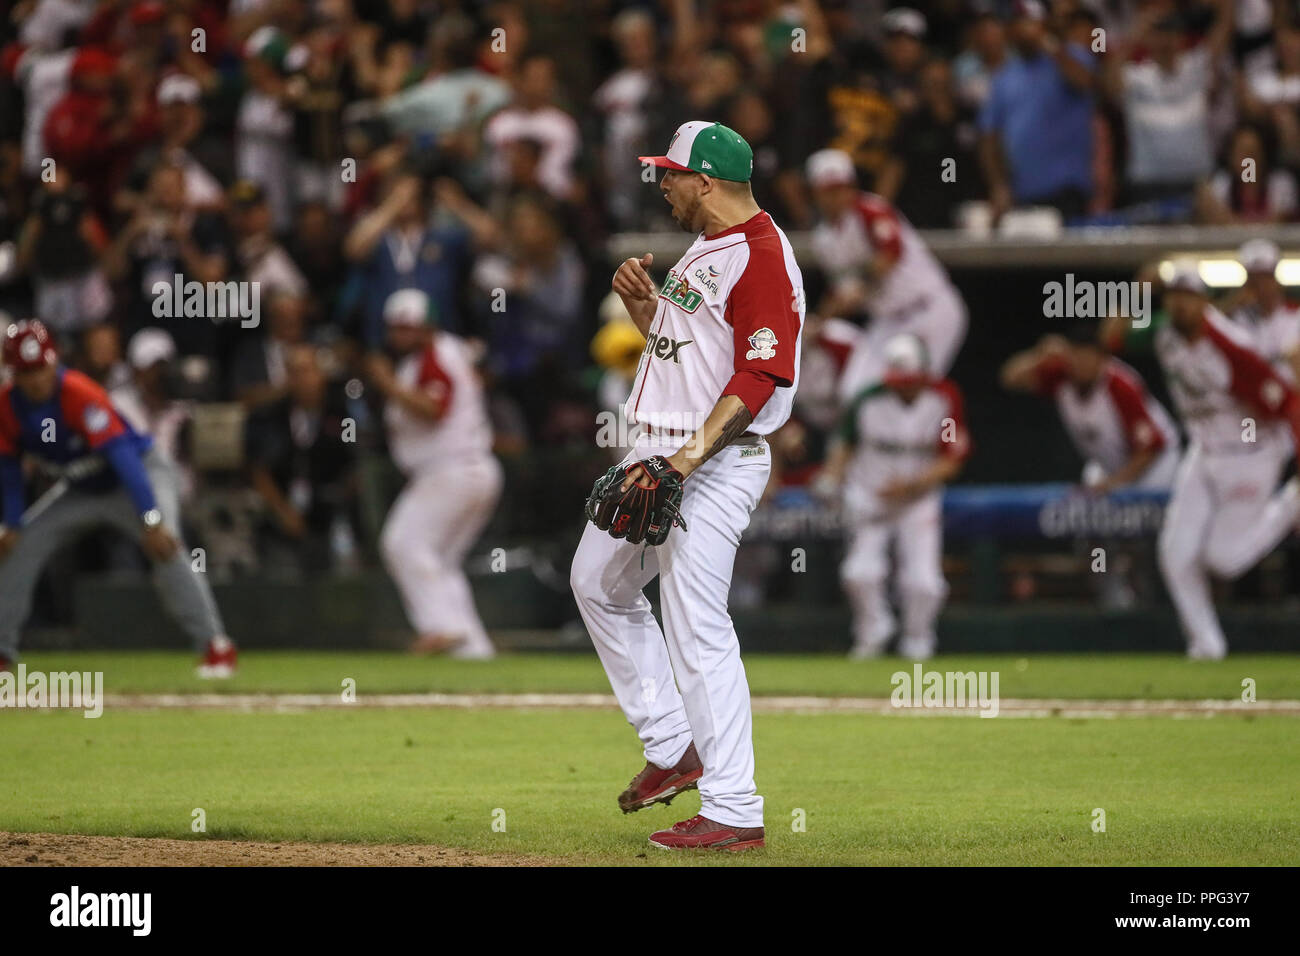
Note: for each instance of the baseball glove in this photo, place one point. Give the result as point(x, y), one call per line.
point(638, 514)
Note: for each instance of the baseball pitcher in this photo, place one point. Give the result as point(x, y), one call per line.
point(107, 474)
point(718, 373)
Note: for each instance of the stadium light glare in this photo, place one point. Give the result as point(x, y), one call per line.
point(1226, 273)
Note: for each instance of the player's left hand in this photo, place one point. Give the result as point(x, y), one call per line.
point(640, 501)
point(8, 541)
point(158, 544)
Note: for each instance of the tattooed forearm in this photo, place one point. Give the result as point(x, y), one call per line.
point(733, 429)
point(725, 424)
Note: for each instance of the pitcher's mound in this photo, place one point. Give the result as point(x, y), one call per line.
point(70, 849)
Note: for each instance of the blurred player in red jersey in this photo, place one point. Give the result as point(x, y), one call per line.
point(1124, 436)
point(900, 442)
point(1242, 420)
point(875, 262)
point(440, 437)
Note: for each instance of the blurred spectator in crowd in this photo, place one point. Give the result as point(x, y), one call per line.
point(163, 239)
point(60, 246)
point(318, 89)
point(938, 135)
point(100, 356)
point(533, 297)
point(904, 55)
point(1037, 121)
point(399, 245)
point(92, 132)
point(456, 95)
point(842, 103)
point(303, 467)
point(43, 74)
point(316, 248)
point(974, 67)
point(264, 128)
point(1248, 187)
point(534, 115)
point(147, 403)
point(1165, 100)
point(261, 374)
point(1271, 95)
point(184, 142)
point(624, 101)
point(259, 255)
point(47, 23)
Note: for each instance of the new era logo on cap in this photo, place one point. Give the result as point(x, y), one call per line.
point(710, 148)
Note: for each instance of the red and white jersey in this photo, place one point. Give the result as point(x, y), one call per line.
point(872, 226)
point(1218, 380)
point(445, 369)
point(897, 440)
point(728, 321)
point(1113, 419)
point(1276, 335)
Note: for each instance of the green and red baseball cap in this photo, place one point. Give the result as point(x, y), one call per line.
point(708, 148)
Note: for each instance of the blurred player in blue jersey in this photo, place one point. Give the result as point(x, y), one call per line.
point(106, 474)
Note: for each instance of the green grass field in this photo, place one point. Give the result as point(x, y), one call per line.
point(868, 789)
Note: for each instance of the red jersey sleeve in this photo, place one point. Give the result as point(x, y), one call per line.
point(1256, 383)
point(954, 438)
point(1130, 400)
point(88, 411)
point(883, 228)
point(1049, 375)
point(8, 422)
point(763, 310)
point(434, 381)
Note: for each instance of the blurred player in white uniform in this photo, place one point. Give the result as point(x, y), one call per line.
point(1227, 510)
point(1125, 437)
point(1272, 320)
point(441, 439)
point(900, 442)
point(876, 262)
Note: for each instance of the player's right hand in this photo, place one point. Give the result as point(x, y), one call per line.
point(631, 280)
point(8, 541)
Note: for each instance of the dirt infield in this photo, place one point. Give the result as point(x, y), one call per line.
point(62, 849)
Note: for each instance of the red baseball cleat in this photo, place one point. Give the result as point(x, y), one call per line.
point(701, 833)
point(219, 661)
point(657, 785)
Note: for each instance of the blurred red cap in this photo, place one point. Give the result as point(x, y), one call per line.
point(28, 344)
point(93, 60)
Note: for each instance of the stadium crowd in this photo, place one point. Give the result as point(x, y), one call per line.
point(338, 151)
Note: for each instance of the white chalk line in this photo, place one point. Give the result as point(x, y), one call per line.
point(1007, 707)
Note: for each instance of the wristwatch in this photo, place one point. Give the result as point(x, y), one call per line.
point(152, 518)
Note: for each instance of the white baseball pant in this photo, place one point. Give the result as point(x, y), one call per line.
point(916, 534)
point(433, 523)
point(942, 327)
point(1226, 512)
point(708, 701)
